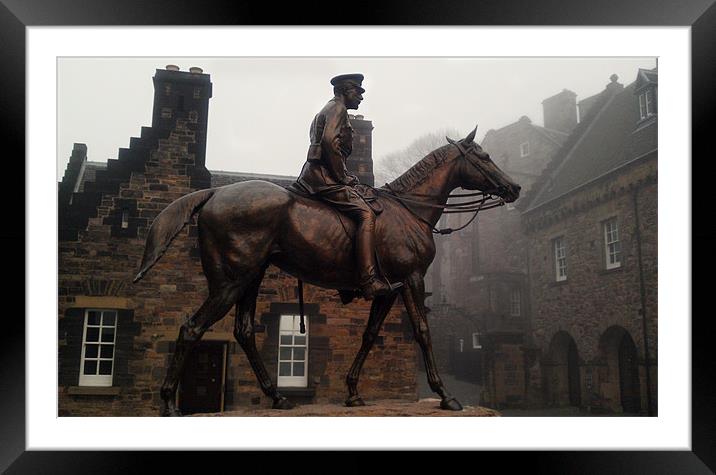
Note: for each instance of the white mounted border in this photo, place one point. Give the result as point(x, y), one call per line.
point(670, 430)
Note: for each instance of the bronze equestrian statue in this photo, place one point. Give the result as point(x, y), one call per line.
point(324, 176)
point(245, 227)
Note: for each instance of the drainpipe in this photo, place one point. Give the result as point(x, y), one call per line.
point(642, 311)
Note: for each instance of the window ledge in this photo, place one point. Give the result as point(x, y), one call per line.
point(93, 390)
point(645, 122)
point(558, 283)
point(612, 270)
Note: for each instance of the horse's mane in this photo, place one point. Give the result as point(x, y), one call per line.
point(419, 172)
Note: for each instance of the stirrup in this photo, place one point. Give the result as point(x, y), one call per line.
point(394, 285)
point(369, 290)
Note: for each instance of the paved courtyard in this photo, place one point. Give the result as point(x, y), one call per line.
point(469, 395)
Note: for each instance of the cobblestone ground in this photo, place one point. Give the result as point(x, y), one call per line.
point(469, 395)
point(557, 412)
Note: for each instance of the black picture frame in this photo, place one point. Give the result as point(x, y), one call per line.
point(16, 15)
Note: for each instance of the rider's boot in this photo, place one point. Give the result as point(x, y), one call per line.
point(371, 285)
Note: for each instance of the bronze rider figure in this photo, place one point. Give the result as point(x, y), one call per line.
point(324, 176)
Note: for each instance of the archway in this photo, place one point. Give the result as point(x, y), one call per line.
point(620, 353)
point(562, 370)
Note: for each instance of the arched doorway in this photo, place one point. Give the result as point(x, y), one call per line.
point(562, 368)
point(622, 360)
point(629, 375)
point(575, 397)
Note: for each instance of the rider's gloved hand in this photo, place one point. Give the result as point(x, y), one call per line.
point(352, 180)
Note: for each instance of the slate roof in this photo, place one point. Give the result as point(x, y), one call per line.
point(556, 136)
point(611, 136)
point(222, 178)
point(218, 177)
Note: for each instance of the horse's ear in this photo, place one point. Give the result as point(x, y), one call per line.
point(471, 136)
point(450, 140)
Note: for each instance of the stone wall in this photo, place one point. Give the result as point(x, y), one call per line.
point(505, 374)
point(593, 302)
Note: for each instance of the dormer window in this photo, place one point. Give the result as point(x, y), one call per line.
point(646, 90)
point(647, 103)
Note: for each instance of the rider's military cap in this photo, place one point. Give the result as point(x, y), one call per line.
point(346, 80)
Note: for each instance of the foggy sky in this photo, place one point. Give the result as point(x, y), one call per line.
point(261, 108)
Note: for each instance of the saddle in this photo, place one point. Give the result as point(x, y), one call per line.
point(367, 192)
point(370, 196)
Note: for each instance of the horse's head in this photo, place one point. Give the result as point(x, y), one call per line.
point(477, 171)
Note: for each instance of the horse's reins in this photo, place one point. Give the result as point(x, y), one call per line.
point(475, 206)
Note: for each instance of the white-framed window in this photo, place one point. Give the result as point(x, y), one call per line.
point(292, 352)
point(647, 103)
point(524, 149)
point(476, 341)
point(461, 344)
point(197, 93)
point(515, 302)
point(560, 259)
point(612, 245)
point(98, 341)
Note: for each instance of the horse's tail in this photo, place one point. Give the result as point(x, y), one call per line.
point(168, 224)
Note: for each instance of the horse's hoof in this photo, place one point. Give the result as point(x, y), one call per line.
point(450, 404)
point(282, 403)
point(355, 401)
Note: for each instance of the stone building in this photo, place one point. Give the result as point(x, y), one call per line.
point(480, 273)
point(591, 227)
point(115, 337)
point(555, 297)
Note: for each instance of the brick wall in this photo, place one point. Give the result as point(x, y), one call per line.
point(96, 269)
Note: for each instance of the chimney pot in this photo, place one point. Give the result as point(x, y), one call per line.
point(172, 67)
point(195, 70)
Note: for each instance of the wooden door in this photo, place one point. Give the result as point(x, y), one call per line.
point(202, 385)
point(629, 376)
point(575, 395)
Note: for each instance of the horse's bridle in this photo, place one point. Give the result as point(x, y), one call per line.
point(465, 153)
point(475, 206)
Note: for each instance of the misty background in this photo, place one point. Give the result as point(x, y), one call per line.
point(261, 108)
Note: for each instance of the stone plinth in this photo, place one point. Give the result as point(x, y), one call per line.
point(384, 408)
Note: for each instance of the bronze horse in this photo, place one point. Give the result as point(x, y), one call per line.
point(246, 226)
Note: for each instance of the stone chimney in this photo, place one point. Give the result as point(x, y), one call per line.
point(184, 95)
point(560, 111)
point(360, 162)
